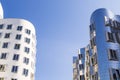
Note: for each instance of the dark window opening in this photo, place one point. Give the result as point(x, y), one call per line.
point(9, 26)
point(112, 54)
point(19, 28)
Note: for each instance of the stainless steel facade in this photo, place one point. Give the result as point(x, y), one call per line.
point(102, 56)
point(75, 68)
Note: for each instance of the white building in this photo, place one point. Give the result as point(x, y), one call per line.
point(17, 49)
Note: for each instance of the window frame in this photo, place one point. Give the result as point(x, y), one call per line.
point(19, 28)
point(113, 55)
point(9, 26)
point(18, 36)
point(14, 69)
point(17, 46)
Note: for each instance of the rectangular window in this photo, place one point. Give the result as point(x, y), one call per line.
point(17, 46)
point(27, 50)
point(18, 36)
point(14, 69)
point(19, 28)
point(115, 24)
point(117, 35)
point(28, 31)
point(87, 74)
point(80, 56)
point(7, 35)
point(26, 60)
point(1, 26)
point(114, 74)
point(118, 25)
point(82, 77)
point(112, 23)
point(5, 45)
point(9, 26)
point(93, 42)
point(109, 37)
point(92, 27)
point(25, 72)
point(2, 68)
point(109, 22)
point(13, 79)
point(2, 78)
point(106, 21)
point(3, 55)
point(27, 40)
point(16, 57)
point(112, 54)
point(81, 66)
point(94, 59)
point(0, 34)
point(95, 76)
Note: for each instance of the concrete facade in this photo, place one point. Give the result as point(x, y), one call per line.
point(17, 49)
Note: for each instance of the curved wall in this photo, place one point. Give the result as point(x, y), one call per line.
point(102, 45)
point(18, 41)
point(1, 12)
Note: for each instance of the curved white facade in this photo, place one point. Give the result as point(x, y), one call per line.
point(1, 11)
point(17, 49)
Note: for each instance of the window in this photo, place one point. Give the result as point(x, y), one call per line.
point(7, 35)
point(108, 22)
point(109, 37)
point(27, 40)
point(81, 66)
point(26, 60)
point(0, 34)
point(27, 50)
point(115, 24)
point(80, 56)
point(92, 27)
point(5, 45)
point(95, 76)
point(117, 37)
point(18, 36)
point(112, 23)
point(2, 68)
point(17, 46)
point(14, 69)
point(9, 26)
point(1, 26)
point(94, 59)
point(82, 77)
point(115, 74)
point(3, 55)
point(16, 57)
point(19, 28)
point(25, 72)
point(112, 54)
point(13, 79)
point(2, 78)
point(28, 31)
point(93, 42)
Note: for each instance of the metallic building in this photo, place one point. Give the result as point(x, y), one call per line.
point(102, 55)
point(75, 68)
point(17, 49)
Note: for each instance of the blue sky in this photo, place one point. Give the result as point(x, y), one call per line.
point(61, 28)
